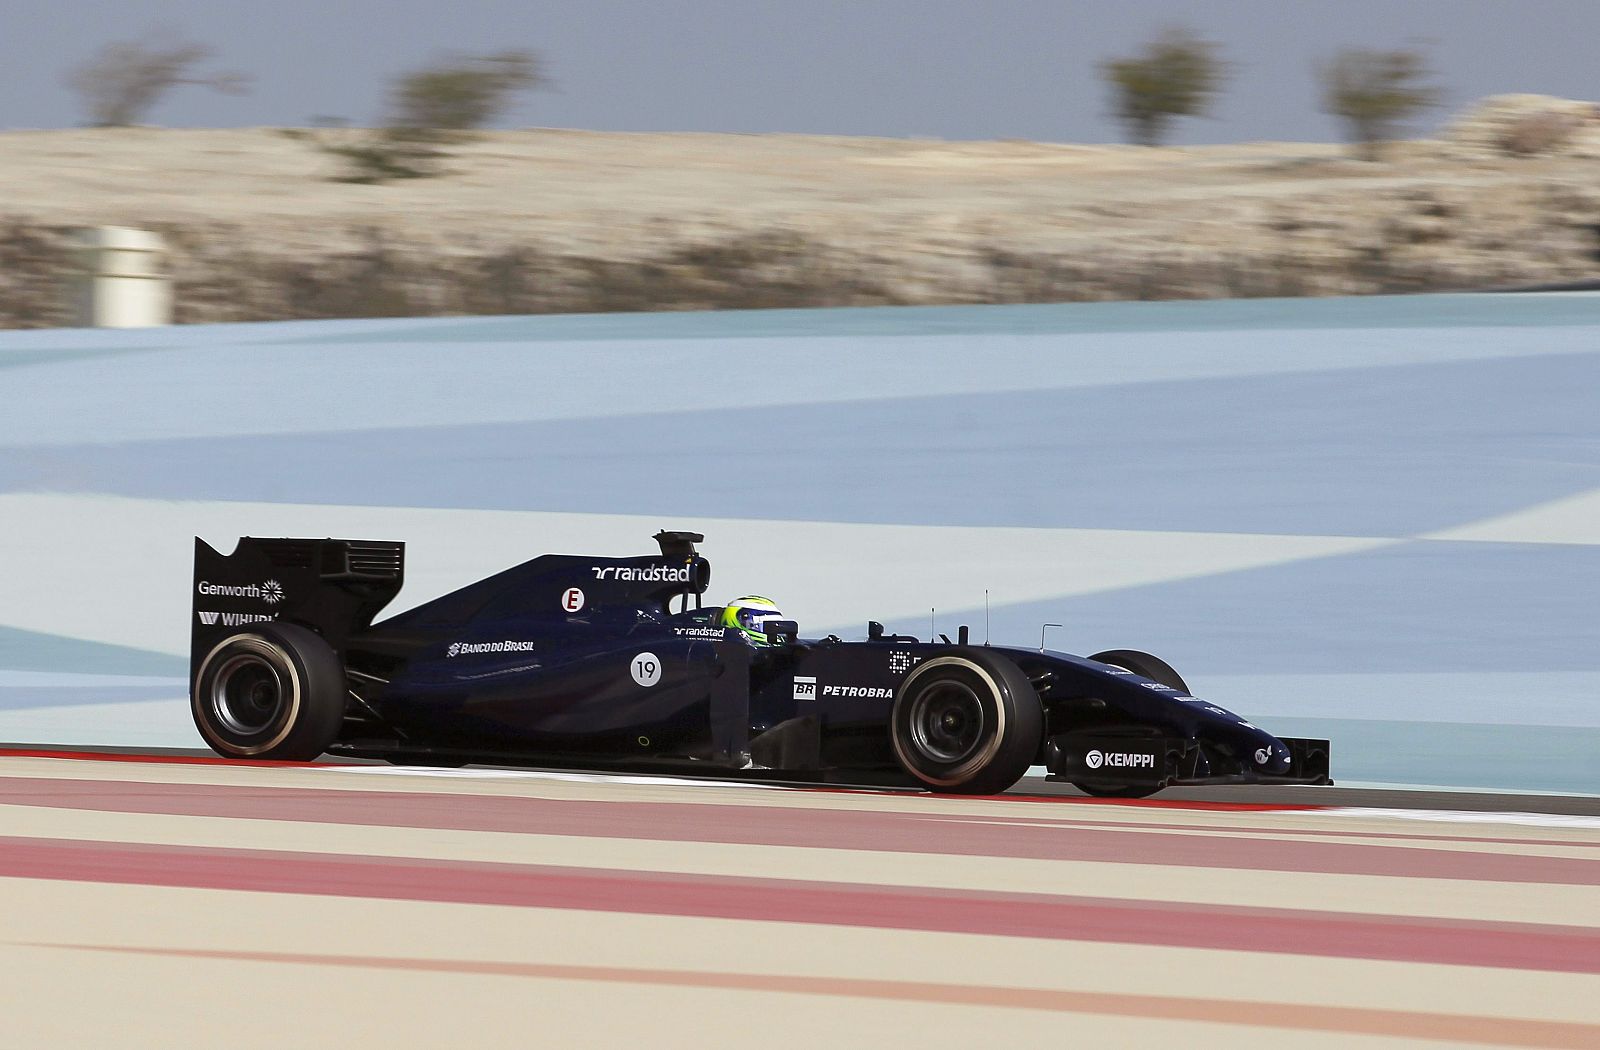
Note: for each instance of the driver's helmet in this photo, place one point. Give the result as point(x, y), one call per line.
point(750, 615)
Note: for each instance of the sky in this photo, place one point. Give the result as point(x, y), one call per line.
point(953, 69)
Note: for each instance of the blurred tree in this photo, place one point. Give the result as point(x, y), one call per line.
point(1176, 75)
point(125, 79)
point(431, 107)
point(461, 94)
point(1372, 92)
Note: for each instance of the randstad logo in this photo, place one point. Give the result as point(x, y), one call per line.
point(647, 574)
point(270, 592)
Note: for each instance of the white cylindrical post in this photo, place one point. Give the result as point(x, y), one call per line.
point(120, 281)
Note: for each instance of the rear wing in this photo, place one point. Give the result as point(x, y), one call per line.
point(334, 587)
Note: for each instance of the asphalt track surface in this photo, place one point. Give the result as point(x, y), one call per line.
point(1443, 799)
point(162, 899)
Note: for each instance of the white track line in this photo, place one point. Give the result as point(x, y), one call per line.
point(1457, 816)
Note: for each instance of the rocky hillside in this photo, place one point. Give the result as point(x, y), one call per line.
point(262, 227)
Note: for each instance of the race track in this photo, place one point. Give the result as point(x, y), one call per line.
point(204, 903)
point(1376, 521)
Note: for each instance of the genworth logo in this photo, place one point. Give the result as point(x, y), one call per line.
point(270, 592)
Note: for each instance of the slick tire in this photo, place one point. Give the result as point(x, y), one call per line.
point(275, 691)
point(1145, 666)
point(966, 722)
point(1142, 664)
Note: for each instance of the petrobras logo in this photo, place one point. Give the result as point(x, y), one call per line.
point(232, 619)
point(646, 574)
point(858, 692)
point(271, 591)
point(805, 688)
point(1118, 760)
point(475, 648)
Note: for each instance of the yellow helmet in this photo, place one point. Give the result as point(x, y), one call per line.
point(750, 615)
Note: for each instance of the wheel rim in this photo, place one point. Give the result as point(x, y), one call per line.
point(247, 695)
point(947, 722)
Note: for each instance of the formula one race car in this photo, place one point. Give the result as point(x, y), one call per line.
point(583, 661)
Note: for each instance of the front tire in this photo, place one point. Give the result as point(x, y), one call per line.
point(275, 691)
point(1145, 666)
point(968, 722)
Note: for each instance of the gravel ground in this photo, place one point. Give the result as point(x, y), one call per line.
point(546, 220)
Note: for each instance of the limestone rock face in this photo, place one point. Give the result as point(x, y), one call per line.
point(548, 221)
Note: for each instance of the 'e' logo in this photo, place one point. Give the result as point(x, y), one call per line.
point(572, 601)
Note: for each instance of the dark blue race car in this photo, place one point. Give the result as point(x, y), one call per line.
point(616, 663)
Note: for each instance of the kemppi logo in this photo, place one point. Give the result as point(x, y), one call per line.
point(1118, 760)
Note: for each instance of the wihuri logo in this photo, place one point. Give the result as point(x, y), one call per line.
point(233, 619)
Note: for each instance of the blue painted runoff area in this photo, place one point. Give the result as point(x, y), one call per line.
point(1460, 434)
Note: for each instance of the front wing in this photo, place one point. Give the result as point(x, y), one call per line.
point(1114, 762)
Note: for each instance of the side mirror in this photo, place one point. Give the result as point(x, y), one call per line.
point(874, 630)
point(781, 632)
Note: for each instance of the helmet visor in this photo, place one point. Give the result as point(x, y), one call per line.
point(756, 619)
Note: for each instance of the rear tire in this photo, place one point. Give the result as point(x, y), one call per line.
point(276, 691)
point(967, 722)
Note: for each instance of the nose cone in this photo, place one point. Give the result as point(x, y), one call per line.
point(1271, 756)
